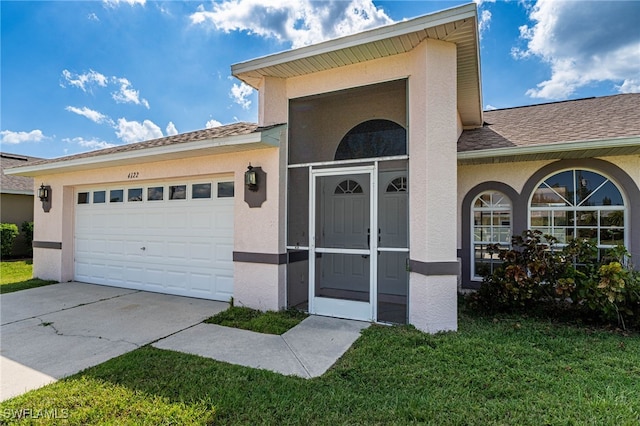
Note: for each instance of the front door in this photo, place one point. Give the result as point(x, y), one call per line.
point(342, 243)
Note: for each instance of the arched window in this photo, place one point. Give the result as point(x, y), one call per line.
point(348, 187)
point(491, 215)
point(582, 204)
point(373, 138)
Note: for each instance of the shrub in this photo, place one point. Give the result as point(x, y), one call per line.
point(8, 234)
point(27, 231)
point(535, 273)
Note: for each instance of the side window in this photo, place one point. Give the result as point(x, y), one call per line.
point(491, 213)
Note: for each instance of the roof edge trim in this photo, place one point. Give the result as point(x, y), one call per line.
point(267, 137)
point(551, 148)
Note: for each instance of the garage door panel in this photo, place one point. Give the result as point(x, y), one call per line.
point(155, 278)
point(188, 245)
point(177, 251)
point(154, 221)
point(201, 252)
point(134, 274)
point(201, 282)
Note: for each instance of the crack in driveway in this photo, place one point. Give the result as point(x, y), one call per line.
point(60, 333)
point(72, 307)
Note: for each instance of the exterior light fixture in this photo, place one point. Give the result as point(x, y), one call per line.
point(43, 193)
point(251, 179)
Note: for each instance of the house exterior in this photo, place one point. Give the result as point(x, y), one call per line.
point(350, 209)
point(16, 198)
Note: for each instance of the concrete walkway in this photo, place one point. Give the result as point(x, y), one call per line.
point(307, 350)
point(51, 332)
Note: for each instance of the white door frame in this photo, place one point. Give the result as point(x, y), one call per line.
point(340, 307)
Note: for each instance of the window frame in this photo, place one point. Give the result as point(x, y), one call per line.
point(575, 208)
point(472, 234)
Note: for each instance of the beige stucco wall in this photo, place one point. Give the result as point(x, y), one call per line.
point(256, 230)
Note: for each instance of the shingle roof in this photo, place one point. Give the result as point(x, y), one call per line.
point(15, 184)
point(600, 118)
point(235, 129)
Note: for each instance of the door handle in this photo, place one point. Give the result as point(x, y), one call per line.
point(143, 248)
point(366, 256)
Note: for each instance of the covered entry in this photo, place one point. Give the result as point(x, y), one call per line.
point(348, 245)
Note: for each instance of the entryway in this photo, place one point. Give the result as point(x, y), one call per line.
point(358, 236)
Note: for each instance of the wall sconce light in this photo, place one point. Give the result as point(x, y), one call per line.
point(251, 179)
point(43, 193)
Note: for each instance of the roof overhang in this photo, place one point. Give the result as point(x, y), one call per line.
point(457, 25)
point(555, 151)
point(268, 138)
point(16, 192)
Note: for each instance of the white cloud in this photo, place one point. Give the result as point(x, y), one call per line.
point(9, 137)
point(95, 116)
point(213, 123)
point(481, 2)
point(485, 19)
point(583, 43)
point(489, 107)
point(114, 3)
point(299, 22)
point(89, 143)
point(240, 92)
point(133, 131)
point(171, 129)
point(93, 17)
point(84, 81)
point(126, 94)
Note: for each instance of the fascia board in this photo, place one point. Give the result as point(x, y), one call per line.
point(239, 142)
point(622, 142)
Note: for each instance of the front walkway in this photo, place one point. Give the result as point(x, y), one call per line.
point(51, 332)
point(307, 350)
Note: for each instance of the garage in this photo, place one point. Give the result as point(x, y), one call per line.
point(169, 237)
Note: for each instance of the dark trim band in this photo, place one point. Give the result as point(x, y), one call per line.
point(266, 258)
point(47, 245)
point(435, 268)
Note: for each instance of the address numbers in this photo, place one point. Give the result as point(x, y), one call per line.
point(133, 175)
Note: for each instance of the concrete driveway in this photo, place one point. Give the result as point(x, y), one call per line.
point(51, 332)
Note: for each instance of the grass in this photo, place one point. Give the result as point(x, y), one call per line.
point(507, 371)
point(270, 322)
point(17, 275)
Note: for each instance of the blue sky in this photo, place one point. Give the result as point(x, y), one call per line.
point(78, 76)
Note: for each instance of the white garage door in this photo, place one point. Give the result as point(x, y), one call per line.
point(174, 237)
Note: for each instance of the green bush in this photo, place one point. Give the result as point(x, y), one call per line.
point(535, 273)
point(8, 234)
point(27, 231)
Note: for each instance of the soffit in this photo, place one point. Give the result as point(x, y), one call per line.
point(457, 25)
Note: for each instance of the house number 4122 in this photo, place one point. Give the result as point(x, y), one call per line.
point(133, 175)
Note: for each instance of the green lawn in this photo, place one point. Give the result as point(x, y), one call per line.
point(18, 275)
point(505, 370)
point(270, 322)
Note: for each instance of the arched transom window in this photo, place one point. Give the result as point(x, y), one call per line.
point(491, 212)
point(373, 138)
point(579, 204)
point(348, 187)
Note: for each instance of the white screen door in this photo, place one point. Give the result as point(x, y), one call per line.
point(342, 217)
